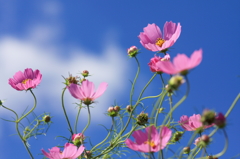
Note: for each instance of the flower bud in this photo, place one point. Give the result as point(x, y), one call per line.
point(129, 108)
point(202, 141)
point(85, 73)
point(88, 154)
point(142, 119)
point(175, 82)
point(211, 157)
point(70, 80)
point(116, 108)
point(132, 51)
point(186, 150)
point(77, 139)
point(220, 120)
point(208, 117)
point(205, 138)
point(112, 112)
point(176, 136)
point(46, 118)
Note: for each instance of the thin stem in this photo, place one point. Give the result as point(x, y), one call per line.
point(170, 104)
point(76, 121)
point(134, 81)
point(105, 137)
point(225, 146)
point(65, 113)
point(30, 111)
point(179, 102)
point(197, 152)
point(89, 120)
point(11, 111)
point(233, 105)
point(147, 85)
point(157, 107)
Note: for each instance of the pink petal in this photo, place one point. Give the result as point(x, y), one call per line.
point(140, 137)
point(101, 89)
point(87, 88)
point(169, 29)
point(196, 58)
point(75, 91)
point(28, 73)
point(79, 151)
point(69, 151)
point(153, 32)
point(166, 134)
point(181, 62)
point(166, 67)
point(131, 145)
point(153, 131)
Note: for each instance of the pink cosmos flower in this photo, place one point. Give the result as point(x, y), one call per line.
point(192, 123)
point(70, 152)
point(154, 62)
point(85, 91)
point(25, 80)
point(149, 143)
point(181, 63)
point(153, 40)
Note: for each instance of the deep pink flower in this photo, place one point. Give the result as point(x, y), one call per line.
point(25, 80)
point(154, 62)
point(70, 152)
point(152, 38)
point(86, 91)
point(220, 120)
point(149, 143)
point(181, 63)
point(192, 123)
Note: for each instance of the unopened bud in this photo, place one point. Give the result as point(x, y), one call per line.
point(88, 154)
point(132, 51)
point(220, 120)
point(186, 150)
point(116, 108)
point(176, 136)
point(208, 117)
point(77, 139)
point(112, 112)
point(142, 119)
point(46, 118)
point(129, 108)
point(175, 82)
point(85, 73)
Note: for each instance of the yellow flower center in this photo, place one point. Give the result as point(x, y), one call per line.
point(151, 143)
point(25, 81)
point(159, 42)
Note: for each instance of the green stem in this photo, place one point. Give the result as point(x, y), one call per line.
point(30, 111)
point(103, 139)
point(134, 81)
point(197, 152)
point(89, 120)
point(146, 86)
point(170, 103)
point(228, 112)
point(225, 146)
point(11, 111)
point(65, 113)
point(179, 102)
point(157, 107)
point(76, 122)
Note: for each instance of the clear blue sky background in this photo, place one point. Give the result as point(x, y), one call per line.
point(58, 37)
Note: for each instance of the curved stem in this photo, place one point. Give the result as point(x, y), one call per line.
point(170, 103)
point(147, 85)
point(225, 146)
point(11, 111)
point(134, 81)
point(89, 120)
point(105, 137)
point(179, 102)
point(30, 111)
point(76, 121)
point(65, 113)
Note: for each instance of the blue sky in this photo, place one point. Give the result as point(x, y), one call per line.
point(58, 37)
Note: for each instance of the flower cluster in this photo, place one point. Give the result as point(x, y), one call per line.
point(134, 120)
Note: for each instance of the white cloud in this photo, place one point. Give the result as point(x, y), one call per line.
point(17, 54)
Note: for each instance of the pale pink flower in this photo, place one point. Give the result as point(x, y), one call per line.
point(192, 123)
point(150, 143)
point(25, 80)
point(181, 63)
point(197, 141)
point(152, 38)
point(86, 91)
point(154, 62)
point(70, 152)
